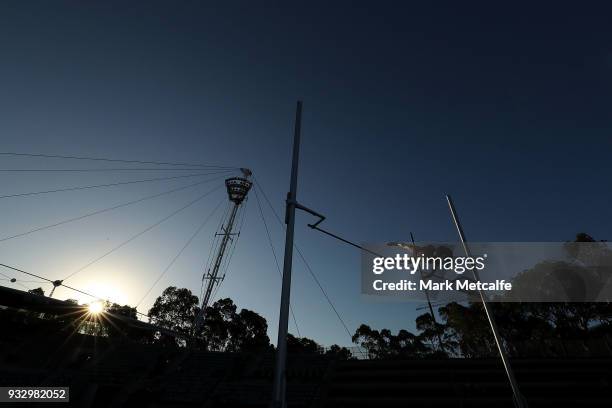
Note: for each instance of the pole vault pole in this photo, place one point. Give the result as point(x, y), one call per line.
point(519, 400)
point(279, 385)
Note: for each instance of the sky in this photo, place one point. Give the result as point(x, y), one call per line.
point(506, 107)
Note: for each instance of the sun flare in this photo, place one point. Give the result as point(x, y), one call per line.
point(105, 289)
point(95, 308)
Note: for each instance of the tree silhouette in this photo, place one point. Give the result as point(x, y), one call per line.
point(226, 330)
point(436, 336)
point(114, 323)
point(384, 344)
point(341, 353)
point(302, 345)
point(223, 328)
point(125, 310)
point(175, 310)
point(217, 323)
point(248, 331)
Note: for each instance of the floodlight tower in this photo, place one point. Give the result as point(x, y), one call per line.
point(237, 190)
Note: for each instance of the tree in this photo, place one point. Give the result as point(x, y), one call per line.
point(465, 328)
point(248, 332)
point(384, 344)
point(116, 321)
point(372, 341)
point(223, 328)
point(125, 310)
point(468, 327)
point(302, 345)
point(226, 330)
point(217, 324)
point(175, 310)
point(341, 353)
point(436, 336)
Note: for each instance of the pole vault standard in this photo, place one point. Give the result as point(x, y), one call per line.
point(519, 400)
point(279, 385)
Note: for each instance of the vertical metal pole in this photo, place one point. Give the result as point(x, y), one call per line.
point(519, 400)
point(278, 394)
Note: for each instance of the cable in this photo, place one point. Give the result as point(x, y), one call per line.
point(48, 280)
point(274, 255)
point(179, 253)
point(27, 273)
point(106, 210)
point(20, 280)
point(8, 278)
point(149, 228)
point(31, 281)
point(111, 160)
point(323, 291)
point(346, 241)
point(268, 200)
point(109, 185)
point(257, 184)
point(98, 169)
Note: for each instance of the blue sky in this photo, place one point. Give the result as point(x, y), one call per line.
point(506, 108)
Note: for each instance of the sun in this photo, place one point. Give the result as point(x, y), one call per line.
point(105, 290)
point(95, 308)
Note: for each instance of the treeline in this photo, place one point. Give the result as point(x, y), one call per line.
point(224, 328)
point(457, 330)
point(462, 330)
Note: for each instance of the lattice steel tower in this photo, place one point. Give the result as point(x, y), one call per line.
point(237, 190)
